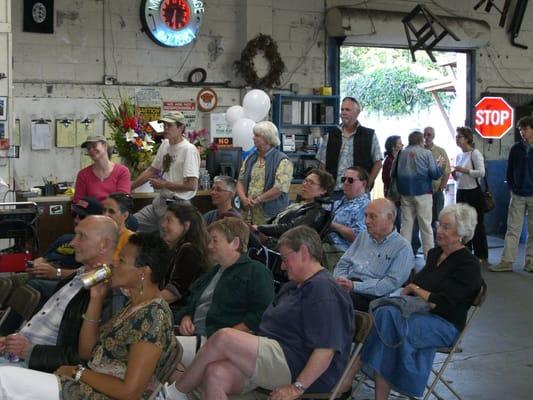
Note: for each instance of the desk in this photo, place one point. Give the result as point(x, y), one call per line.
point(55, 217)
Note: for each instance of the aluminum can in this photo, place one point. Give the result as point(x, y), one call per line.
point(95, 276)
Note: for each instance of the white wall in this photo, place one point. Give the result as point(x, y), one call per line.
point(61, 75)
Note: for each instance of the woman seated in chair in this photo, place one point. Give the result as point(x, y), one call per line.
point(126, 352)
point(310, 211)
point(234, 293)
point(304, 336)
point(449, 282)
point(185, 233)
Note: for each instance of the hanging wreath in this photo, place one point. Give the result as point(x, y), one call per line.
point(245, 66)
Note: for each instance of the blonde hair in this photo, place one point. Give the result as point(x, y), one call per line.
point(268, 131)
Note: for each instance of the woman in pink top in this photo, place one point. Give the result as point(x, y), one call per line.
point(102, 177)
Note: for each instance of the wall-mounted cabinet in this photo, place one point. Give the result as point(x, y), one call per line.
point(302, 121)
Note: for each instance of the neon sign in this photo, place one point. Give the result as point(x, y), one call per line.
point(172, 23)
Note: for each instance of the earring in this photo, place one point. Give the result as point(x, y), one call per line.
point(141, 285)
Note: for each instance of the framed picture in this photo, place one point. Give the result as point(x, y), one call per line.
point(3, 108)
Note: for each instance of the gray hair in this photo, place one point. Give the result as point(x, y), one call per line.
point(465, 219)
point(228, 181)
point(415, 138)
point(302, 235)
point(389, 208)
point(268, 131)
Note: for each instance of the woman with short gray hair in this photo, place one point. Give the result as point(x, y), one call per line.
point(465, 218)
point(265, 176)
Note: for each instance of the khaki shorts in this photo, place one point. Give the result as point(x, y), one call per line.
point(271, 369)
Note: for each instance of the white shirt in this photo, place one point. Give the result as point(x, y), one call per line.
point(472, 160)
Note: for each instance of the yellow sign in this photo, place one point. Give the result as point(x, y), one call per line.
point(150, 113)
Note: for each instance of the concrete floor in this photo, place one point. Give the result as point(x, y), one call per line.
point(497, 358)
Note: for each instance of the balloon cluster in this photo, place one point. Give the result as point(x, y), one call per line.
point(242, 119)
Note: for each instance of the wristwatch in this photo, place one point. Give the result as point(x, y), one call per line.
point(78, 372)
point(58, 272)
point(299, 386)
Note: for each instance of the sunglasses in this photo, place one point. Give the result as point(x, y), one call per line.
point(167, 162)
point(349, 179)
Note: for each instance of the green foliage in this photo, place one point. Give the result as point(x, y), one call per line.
point(385, 80)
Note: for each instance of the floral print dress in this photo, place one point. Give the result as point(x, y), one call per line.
point(147, 322)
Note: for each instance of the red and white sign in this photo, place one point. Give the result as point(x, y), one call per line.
point(494, 117)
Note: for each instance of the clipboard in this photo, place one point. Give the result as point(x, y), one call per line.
point(41, 134)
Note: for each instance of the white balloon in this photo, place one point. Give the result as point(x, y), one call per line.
point(256, 105)
point(233, 114)
point(243, 135)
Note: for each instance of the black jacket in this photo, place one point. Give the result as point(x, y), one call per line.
point(311, 214)
point(48, 358)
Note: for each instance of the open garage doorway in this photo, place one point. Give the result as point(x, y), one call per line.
point(398, 95)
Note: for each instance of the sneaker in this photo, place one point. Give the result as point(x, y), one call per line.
point(528, 267)
point(502, 266)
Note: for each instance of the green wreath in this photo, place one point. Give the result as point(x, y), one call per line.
point(245, 66)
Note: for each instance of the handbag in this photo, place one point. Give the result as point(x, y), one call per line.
point(486, 200)
point(407, 305)
point(392, 192)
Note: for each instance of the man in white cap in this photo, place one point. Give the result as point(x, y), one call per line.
point(174, 172)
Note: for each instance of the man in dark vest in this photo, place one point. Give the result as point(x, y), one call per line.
point(350, 144)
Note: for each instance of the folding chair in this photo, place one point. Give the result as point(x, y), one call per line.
point(5, 289)
point(23, 301)
point(363, 325)
point(450, 351)
point(165, 374)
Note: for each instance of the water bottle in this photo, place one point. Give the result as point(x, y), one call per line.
point(205, 180)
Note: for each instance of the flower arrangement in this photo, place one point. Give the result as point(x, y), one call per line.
point(132, 136)
point(200, 139)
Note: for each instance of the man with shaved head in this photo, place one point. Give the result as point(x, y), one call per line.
point(50, 338)
point(379, 260)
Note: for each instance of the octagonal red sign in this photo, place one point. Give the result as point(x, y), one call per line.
point(494, 117)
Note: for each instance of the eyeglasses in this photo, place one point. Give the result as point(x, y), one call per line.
point(349, 179)
point(286, 255)
point(310, 182)
point(445, 227)
point(459, 136)
point(167, 162)
point(76, 215)
point(217, 189)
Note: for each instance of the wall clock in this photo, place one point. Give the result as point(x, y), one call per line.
point(172, 23)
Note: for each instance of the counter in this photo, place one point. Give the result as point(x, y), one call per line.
point(55, 217)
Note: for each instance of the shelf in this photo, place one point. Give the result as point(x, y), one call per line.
point(300, 154)
point(300, 126)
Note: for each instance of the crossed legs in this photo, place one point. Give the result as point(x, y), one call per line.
point(222, 365)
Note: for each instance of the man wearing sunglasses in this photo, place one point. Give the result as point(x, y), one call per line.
point(349, 214)
point(174, 172)
point(350, 144)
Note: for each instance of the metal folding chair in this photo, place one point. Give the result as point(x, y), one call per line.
point(5, 290)
point(450, 351)
point(165, 374)
point(23, 301)
point(363, 325)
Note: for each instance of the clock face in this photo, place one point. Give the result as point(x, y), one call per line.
point(172, 23)
point(38, 12)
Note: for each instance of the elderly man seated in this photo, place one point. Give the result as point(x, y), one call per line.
point(222, 194)
point(50, 338)
point(379, 260)
point(349, 212)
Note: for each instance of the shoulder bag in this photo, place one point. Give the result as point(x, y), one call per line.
point(486, 201)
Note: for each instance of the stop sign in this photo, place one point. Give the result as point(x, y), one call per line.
point(494, 117)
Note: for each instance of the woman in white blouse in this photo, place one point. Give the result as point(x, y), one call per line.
point(469, 169)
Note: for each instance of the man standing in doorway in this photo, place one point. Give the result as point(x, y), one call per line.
point(350, 144)
point(174, 172)
point(438, 185)
point(520, 181)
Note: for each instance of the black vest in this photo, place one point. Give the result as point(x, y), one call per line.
point(362, 149)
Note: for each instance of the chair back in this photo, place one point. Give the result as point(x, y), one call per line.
point(23, 301)
point(164, 375)
point(481, 296)
point(5, 289)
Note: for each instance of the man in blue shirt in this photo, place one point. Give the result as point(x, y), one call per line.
point(379, 260)
point(349, 212)
point(520, 181)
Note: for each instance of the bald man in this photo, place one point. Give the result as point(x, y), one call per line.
point(379, 261)
point(50, 338)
